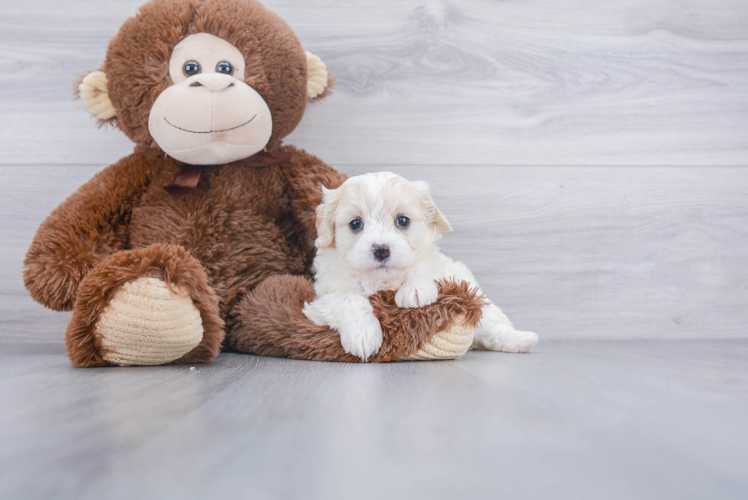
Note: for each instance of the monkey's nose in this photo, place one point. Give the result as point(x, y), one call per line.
point(381, 252)
point(214, 82)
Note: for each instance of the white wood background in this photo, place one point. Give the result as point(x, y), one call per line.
point(590, 155)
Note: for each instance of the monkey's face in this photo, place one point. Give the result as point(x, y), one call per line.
point(208, 82)
point(209, 115)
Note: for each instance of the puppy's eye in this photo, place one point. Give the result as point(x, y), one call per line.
point(224, 67)
point(191, 68)
point(356, 225)
point(403, 222)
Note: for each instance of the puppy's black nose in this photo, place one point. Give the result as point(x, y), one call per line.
point(381, 252)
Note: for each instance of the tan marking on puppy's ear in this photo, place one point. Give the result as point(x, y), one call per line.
point(95, 95)
point(319, 82)
point(433, 215)
point(326, 218)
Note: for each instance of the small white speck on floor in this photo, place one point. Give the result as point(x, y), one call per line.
point(192, 368)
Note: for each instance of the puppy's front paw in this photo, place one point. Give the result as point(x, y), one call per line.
point(363, 337)
point(417, 294)
point(315, 312)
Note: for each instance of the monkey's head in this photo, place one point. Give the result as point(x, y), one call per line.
point(206, 81)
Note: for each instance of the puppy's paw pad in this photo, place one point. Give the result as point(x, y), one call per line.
point(362, 339)
point(418, 294)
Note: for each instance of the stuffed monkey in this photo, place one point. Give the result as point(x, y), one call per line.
point(201, 239)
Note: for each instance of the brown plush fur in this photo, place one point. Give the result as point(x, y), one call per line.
point(266, 314)
point(241, 226)
point(137, 61)
point(169, 263)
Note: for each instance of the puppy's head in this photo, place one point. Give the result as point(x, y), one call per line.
point(379, 222)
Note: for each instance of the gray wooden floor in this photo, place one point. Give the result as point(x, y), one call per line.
point(591, 157)
point(644, 419)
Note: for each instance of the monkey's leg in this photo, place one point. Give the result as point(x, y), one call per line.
point(269, 321)
point(147, 306)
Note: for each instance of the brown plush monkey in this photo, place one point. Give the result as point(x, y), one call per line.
point(201, 238)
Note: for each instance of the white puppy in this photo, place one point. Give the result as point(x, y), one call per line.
point(378, 232)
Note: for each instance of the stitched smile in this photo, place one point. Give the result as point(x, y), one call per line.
point(210, 131)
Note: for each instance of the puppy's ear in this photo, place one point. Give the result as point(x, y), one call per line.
point(434, 216)
point(326, 218)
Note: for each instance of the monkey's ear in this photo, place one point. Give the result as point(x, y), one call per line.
point(93, 91)
point(319, 82)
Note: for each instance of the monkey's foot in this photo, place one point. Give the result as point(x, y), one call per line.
point(147, 306)
point(446, 344)
point(146, 323)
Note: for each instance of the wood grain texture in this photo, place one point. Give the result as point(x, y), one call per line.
point(569, 252)
point(471, 96)
point(592, 158)
point(572, 420)
point(424, 82)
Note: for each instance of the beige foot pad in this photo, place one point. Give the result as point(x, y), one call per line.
point(448, 344)
point(147, 324)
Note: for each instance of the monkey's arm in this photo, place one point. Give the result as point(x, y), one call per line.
point(87, 227)
point(305, 176)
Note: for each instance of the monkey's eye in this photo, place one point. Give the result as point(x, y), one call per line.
point(224, 67)
point(356, 225)
point(402, 222)
point(191, 68)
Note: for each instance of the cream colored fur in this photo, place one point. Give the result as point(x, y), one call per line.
point(146, 323)
point(209, 118)
point(347, 271)
point(449, 344)
point(95, 95)
point(317, 77)
point(93, 91)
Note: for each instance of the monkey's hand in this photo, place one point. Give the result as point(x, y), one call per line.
point(86, 228)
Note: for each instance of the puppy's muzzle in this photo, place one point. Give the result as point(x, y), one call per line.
point(381, 252)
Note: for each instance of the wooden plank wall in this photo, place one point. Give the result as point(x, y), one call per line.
point(590, 155)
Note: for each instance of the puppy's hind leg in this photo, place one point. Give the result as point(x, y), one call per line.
point(496, 333)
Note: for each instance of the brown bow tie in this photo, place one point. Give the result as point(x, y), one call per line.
point(187, 179)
